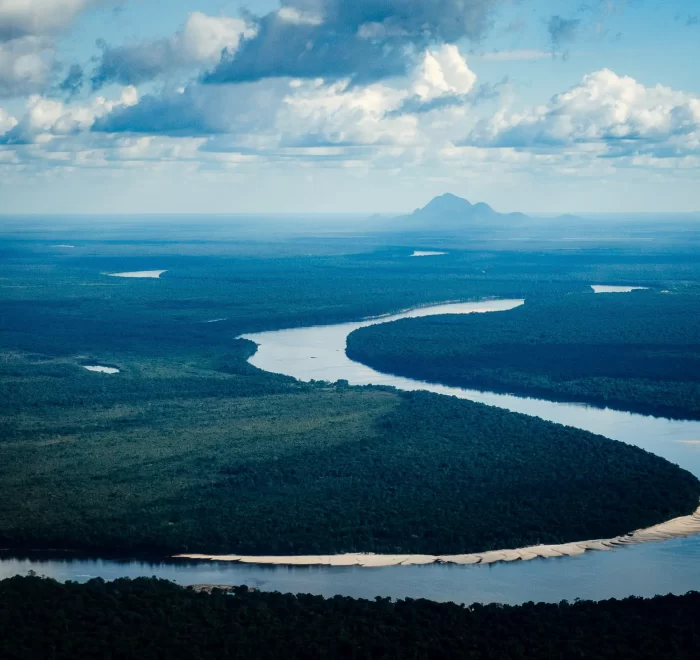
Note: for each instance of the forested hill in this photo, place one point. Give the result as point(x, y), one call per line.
point(638, 351)
point(154, 619)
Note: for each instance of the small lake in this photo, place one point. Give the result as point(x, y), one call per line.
point(141, 274)
point(607, 288)
point(318, 353)
point(98, 368)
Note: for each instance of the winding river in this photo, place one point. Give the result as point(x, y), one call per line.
point(318, 353)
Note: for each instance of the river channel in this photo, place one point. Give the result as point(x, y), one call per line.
point(318, 353)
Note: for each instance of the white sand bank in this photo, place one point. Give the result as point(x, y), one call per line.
point(100, 369)
point(152, 274)
point(676, 528)
point(605, 288)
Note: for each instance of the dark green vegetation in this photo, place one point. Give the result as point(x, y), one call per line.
point(635, 351)
point(320, 470)
point(190, 448)
point(152, 619)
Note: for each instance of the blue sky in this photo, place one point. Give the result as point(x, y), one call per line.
point(215, 106)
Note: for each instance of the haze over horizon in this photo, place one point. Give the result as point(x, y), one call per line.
point(298, 106)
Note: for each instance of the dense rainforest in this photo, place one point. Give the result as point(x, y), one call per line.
point(190, 448)
point(322, 470)
point(150, 619)
point(636, 351)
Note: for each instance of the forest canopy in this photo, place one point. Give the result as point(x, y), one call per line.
point(150, 619)
point(190, 448)
point(638, 351)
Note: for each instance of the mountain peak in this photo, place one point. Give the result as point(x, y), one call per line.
point(447, 203)
point(452, 212)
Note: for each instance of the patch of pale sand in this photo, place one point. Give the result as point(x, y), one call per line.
point(527, 556)
point(212, 557)
point(598, 545)
point(459, 559)
point(676, 528)
point(605, 288)
point(149, 274)
point(418, 560)
point(496, 556)
point(427, 253)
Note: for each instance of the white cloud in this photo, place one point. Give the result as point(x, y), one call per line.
point(342, 114)
point(19, 18)
point(200, 41)
point(203, 37)
point(297, 17)
point(443, 71)
point(45, 118)
point(27, 30)
point(615, 115)
point(337, 123)
point(7, 121)
point(24, 65)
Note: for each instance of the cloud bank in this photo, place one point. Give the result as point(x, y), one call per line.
point(200, 41)
point(616, 114)
point(365, 40)
point(27, 45)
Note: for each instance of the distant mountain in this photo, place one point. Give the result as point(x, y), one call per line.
point(451, 211)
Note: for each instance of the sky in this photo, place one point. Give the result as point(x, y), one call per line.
point(348, 106)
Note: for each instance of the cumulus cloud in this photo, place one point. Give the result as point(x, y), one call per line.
point(304, 113)
point(200, 41)
point(339, 114)
point(24, 65)
point(46, 118)
point(21, 18)
point(196, 110)
point(7, 121)
point(365, 40)
point(442, 79)
point(27, 29)
point(618, 114)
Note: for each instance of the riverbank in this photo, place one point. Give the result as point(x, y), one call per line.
point(681, 527)
point(632, 351)
point(149, 618)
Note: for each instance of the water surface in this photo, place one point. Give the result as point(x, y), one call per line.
point(143, 274)
point(98, 368)
point(606, 288)
point(318, 353)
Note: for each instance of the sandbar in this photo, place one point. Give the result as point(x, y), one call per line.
point(671, 529)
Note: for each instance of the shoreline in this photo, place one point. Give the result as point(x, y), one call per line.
point(680, 527)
